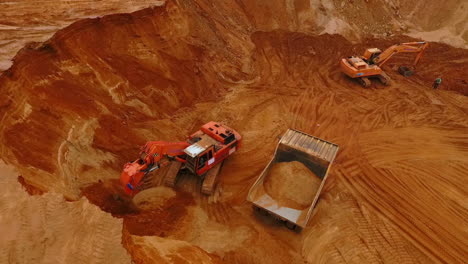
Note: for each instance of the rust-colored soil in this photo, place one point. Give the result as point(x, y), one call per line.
point(30, 189)
point(110, 197)
point(161, 221)
point(156, 221)
point(73, 110)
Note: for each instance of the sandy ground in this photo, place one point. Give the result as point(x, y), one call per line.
point(74, 109)
point(48, 229)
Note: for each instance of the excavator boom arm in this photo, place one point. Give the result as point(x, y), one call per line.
point(409, 47)
point(154, 151)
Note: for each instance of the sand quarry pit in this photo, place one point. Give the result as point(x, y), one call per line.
point(75, 108)
point(292, 184)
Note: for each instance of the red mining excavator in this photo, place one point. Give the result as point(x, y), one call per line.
point(202, 154)
point(369, 65)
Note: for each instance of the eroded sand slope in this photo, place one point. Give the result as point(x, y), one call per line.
point(76, 108)
point(48, 229)
point(26, 21)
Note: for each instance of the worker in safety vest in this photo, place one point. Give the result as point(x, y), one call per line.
point(436, 83)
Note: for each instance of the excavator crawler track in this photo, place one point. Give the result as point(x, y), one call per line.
point(364, 81)
point(146, 182)
point(384, 78)
point(210, 181)
point(171, 175)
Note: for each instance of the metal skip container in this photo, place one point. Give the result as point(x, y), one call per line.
point(315, 153)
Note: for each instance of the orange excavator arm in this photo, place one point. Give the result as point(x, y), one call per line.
point(154, 151)
point(150, 159)
point(409, 47)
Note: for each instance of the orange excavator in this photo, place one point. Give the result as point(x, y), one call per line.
point(362, 68)
point(202, 154)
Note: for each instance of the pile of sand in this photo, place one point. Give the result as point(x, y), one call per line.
point(292, 184)
point(153, 198)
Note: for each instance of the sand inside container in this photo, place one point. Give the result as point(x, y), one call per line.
point(292, 184)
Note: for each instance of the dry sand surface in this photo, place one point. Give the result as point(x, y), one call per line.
point(74, 109)
point(292, 184)
point(153, 198)
point(48, 229)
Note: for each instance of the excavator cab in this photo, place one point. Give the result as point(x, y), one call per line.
point(204, 160)
point(371, 54)
point(199, 158)
point(358, 63)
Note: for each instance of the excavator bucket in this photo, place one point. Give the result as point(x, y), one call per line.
point(315, 153)
point(405, 71)
point(131, 177)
